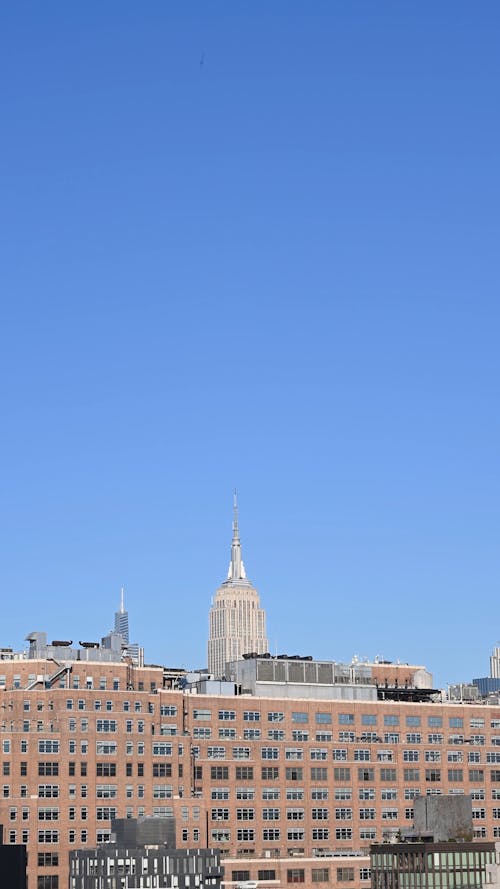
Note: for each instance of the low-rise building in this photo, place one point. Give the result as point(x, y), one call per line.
point(142, 853)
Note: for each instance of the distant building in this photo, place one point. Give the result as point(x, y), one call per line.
point(142, 853)
point(429, 865)
point(487, 685)
point(237, 622)
point(495, 664)
point(490, 685)
point(121, 620)
point(131, 650)
point(439, 852)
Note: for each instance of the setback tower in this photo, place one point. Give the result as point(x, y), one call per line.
point(237, 623)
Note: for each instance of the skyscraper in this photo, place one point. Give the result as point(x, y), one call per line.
point(121, 620)
point(237, 623)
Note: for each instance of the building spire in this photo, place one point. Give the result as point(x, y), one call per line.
point(122, 604)
point(235, 515)
point(236, 567)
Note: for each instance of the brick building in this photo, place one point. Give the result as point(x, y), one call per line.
point(290, 788)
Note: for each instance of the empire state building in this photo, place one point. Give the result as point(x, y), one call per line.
point(237, 623)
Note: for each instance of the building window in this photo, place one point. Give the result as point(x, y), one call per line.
point(106, 725)
point(245, 814)
point(389, 814)
point(362, 754)
point(367, 833)
point(106, 769)
point(271, 773)
point(270, 834)
point(320, 875)
point(295, 875)
point(270, 814)
point(48, 745)
point(241, 752)
point(433, 756)
point(320, 833)
point(293, 814)
point(270, 793)
point(251, 734)
point(219, 773)
point(270, 753)
point(413, 738)
point(48, 836)
point(48, 768)
point(162, 770)
point(106, 791)
point(105, 813)
point(343, 833)
point(295, 834)
point(204, 732)
point(245, 834)
point(294, 753)
point(216, 752)
point(276, 734)
point(345, 874)
point(341, 814)
point(48, 813)
point(300, 734)
point(367, 814)
point(347, 737)
point(220, 836)
point(238, 876)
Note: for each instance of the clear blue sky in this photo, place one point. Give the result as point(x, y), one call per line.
point(252, 245)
